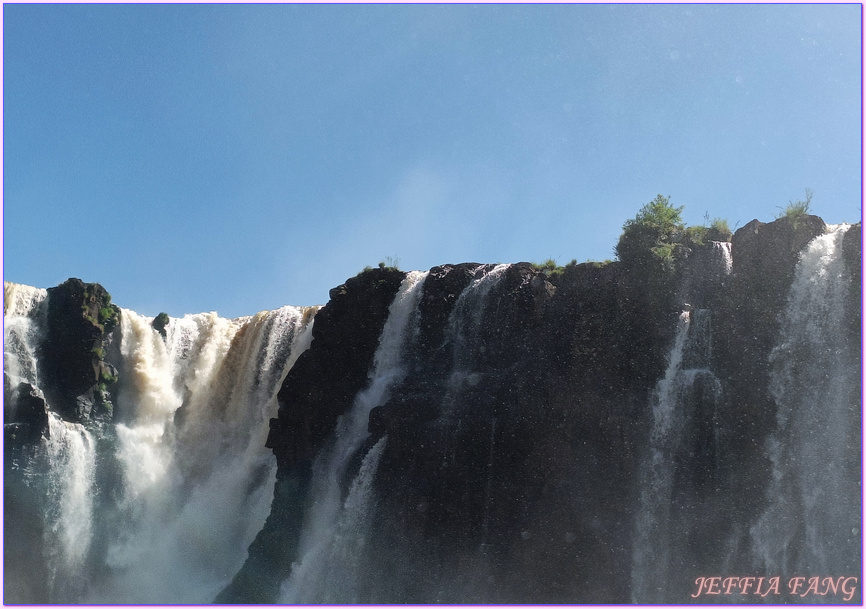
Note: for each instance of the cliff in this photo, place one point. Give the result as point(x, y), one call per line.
point(475, 433)
point(513, 466)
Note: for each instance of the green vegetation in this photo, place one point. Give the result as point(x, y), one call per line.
point(696, 235)
point(107, 315)
point(719, 230)
point(106, 377)
point(797, 209)
point(653, 236)
point(551, 269)
point(103, 398)
point(597, 264)
point(657, 237)
point(389, 263)
point(547, 266)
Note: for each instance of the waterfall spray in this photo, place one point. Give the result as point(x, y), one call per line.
point(326, 569)
point(812, 522)
point(197, 478)
point(678, 403)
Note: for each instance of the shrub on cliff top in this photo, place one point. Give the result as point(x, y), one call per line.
point(797, 209)
point(652, 235)
point(719, 230)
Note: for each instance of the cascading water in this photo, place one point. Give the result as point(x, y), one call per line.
point(651, 553)
point(198, 480)
point(71, 459)
point(681, 398)
point(464, 325)
point(59, 471)
point(466, 319)
point(724, 254)
point(498, 471)
point(812, 523)
point(334, 532)
point(189, 481)
point(24, 310)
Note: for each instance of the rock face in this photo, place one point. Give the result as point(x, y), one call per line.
point(25, 416)
point(598, 433)
point(318, 389)
point(76, 377)
point(346, 333)
point(493, 442)
point(518, 438)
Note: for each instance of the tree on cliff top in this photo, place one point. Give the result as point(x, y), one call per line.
point(652, 235)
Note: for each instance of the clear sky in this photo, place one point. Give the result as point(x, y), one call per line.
point(242, 157)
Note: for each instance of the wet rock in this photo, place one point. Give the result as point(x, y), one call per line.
point(79, 321)
point(25, 415)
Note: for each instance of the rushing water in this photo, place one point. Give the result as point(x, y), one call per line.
point(60, 469)
point(652, 547)
point(24, 311)
point(334, 532)
point(192, 481)
point(812, 522)
point(71, 455)
point(160, 505)
point(688, 392)
point(724, 255)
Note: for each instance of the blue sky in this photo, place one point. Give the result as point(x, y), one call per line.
point(242, 157)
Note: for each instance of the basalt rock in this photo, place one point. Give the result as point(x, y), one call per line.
point(79, 325)
point(160, 322)
point(502, 458)
point(764, 259)
point(317, 390)
point(852, 248)
point(325, 379)
point(519, 437)
point(25, 415)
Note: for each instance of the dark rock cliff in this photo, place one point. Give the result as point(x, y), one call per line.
point(517, 480)
point(517, 436)
point(75, 376)
point(318, 389)
point(77, 381)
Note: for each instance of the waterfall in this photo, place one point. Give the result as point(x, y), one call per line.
point(160, 505)
point(328, 563)
point(60, 469)
point(812, 523)
point(513, 461)
point(682, 431)
point(24, 310)
point(465, 321)
point(464, 327)
point(722, 249)
point(71, 460)
point(197, 478)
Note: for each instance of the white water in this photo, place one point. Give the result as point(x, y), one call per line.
point(651, 553)
point(197, 478)
point(193, 481)
point(723, 248)
point(24, 311)
point(69, 514)
point(812, 522)
point(334, 532)
point(657, 533)
point(465, 320)
point(68, 451)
